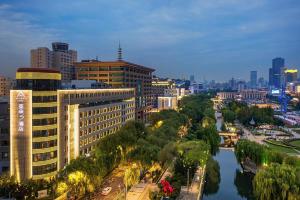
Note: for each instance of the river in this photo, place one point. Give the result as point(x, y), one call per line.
point(234, 184)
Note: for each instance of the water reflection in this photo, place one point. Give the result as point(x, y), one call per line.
point(212, 178)
point(243, 183)
point(232, 185)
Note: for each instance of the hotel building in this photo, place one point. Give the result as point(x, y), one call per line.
point(50, 126)
point(121, 74)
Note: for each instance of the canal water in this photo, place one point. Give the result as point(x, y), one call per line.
point(234, 183)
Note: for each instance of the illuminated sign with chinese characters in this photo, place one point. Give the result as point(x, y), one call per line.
point(20, 99)
point(21, 134)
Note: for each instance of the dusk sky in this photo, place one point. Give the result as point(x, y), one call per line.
point(212, 39)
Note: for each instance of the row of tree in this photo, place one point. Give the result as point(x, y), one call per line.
point(241, 111)
point(278, 176)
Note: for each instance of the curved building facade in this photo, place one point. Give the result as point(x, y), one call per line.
point(34, 149)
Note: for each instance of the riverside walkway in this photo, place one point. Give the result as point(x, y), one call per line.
point(194, 192)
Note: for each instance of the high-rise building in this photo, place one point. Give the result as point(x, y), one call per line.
point(51, 126)
point(4, 134)
point(121, 74)
point(60, 58)
point(63, 60)
point(276, 73)
point(41, 57)
point(253, 79)
point(290, 75)
point(192, 78)
point(5, 85)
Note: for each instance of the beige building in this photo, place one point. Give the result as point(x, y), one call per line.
point(91, 115)
point(41, 57)
point(5, 85)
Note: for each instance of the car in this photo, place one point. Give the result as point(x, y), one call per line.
point(106, 191)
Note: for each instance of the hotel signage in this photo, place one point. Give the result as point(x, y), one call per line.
point(21, 134)
point(20, 101)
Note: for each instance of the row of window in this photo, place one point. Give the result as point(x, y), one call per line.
point(99, 111)
point(98, 94)
point(44, 169)
point(107, 68)
point(44, 133)
point(44, 156)
point(38, 84)
point(44, 122)
point(103, 118)
point(41, 99)
point(95, 137)
point(98, 119)
point(45, 144)
point(44, 110)
point(99, 127)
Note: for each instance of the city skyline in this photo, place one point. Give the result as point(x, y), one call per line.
point(197, 37)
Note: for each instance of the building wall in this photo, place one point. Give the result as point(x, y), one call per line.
point(92, 114)
point(121, 74)
point(165, 103)
point(41, 57)
point(5, 86)
point(158, 89)
point(63, 61)
point(4, 136)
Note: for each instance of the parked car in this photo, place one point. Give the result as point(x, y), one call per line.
point(106, 191)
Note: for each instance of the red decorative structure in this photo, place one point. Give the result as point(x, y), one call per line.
point(167, 188)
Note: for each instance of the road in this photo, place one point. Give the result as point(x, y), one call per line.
point(114, 180)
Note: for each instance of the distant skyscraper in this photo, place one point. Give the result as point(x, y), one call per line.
point(192, 78)
point(270, 77)
point(261, 82)
point(60, 58)
point(276, 73)
point(253, 79)
point(290, 75)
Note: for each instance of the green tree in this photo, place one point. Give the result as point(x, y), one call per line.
point(276, 182)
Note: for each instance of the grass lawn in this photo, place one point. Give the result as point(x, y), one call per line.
point(281, 149)
point(295, 143)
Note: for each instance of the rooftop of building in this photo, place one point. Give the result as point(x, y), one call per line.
point(41, 70)
point(118, 62)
